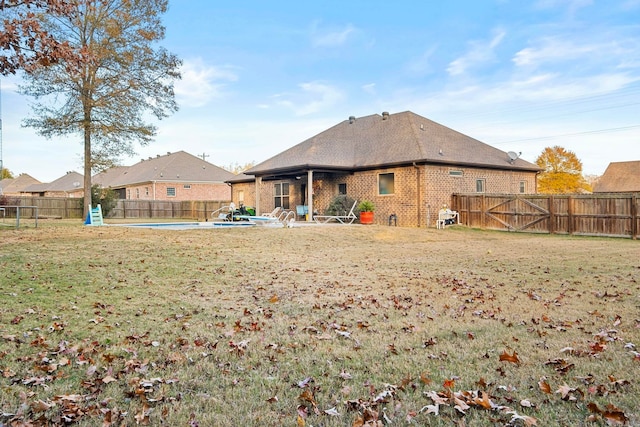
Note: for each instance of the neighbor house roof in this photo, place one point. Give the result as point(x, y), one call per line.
point(71, 181)
point(16, 185)
point(172, 167)
point(387, 140)
point(619, 177)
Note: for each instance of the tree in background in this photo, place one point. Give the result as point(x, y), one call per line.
point(25, 44)
point(106, 94)
point(106, 197)
point(562, 172)
point(5, 173)
point(237, 168)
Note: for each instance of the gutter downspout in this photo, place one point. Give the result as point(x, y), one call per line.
point(154, 189)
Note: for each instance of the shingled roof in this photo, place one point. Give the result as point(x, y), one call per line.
point(172, 167)
point(71, 181)
point(388, 140)
point(619, 177)
point(16, 185)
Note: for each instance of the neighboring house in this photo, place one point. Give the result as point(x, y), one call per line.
point(619, 177)
point(405, 164)
point(174, 176)
point(69, 185)
point(14, 186)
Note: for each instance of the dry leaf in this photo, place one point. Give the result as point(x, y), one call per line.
point(544, 386)
point(506, 357)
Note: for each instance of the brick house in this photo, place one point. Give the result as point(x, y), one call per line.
point(175, 176)
point(68, 185)
point(619, 177)
point(15, 186)
point(405, 164)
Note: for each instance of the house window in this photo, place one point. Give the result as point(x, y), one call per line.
point(187, 186)
point(455, 173)
point(146, 191)
point(137, 193)
point(480, 185)
point(386, 183)
point(281, 191)
point(342, 189)
point(523, 186)
point(171, 191)
point(128, 193)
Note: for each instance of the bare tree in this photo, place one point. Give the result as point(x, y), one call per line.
point(105, 94)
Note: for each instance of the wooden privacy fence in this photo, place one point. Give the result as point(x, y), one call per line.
point(64, 207)
point(607, 214)
point(194, 209)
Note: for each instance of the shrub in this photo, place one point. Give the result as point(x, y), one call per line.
point(366, 206)
point(340, 205)
point(106, 197)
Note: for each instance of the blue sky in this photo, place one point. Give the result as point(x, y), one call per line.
point(260, 77)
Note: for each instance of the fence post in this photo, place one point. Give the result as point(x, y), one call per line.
point(552, 215)
point(634, 216)
point(570, 228)
point(483, 209)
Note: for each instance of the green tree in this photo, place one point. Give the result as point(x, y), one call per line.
point(105, 94)
point(106, 197)
point(562, 172)
point(5, 173)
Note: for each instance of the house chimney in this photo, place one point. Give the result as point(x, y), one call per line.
point(352, 119)
point(385, 115)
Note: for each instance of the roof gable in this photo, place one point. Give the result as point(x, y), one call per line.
point(390, 139)
point(172, 167)
point(619, 177)
point(71, 181)
point(16, 185)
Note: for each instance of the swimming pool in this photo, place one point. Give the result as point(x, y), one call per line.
point(189, 225)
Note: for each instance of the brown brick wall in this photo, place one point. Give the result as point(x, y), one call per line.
point(195, 192)
point(419, 191)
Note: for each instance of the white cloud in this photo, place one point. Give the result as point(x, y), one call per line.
point(553, 49)
point(201, 83)
point(480, 52)
point(313, 97)
point(369, 88)
point(422, 64)
point(331, 38)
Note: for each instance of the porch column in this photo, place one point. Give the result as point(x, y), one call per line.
point(310, 194)
point(258, 184)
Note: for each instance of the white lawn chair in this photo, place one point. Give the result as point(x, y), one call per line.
point(342, 219)
point(447, 217)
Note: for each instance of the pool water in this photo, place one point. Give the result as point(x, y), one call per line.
point(189, 225)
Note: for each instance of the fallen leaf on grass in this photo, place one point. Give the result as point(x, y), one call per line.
point(513, 358)
point(332, 411)
point(544, 386)
point(611, 414)
point(569, 393)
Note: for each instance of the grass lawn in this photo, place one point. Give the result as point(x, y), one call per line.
point(316, 326)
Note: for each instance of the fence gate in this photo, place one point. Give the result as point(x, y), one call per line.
point(609, 214)
point(516, 214)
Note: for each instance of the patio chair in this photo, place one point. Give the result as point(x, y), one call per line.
point(274, 213)
point(302, 210)
point(447, 217)
point(342, 219)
